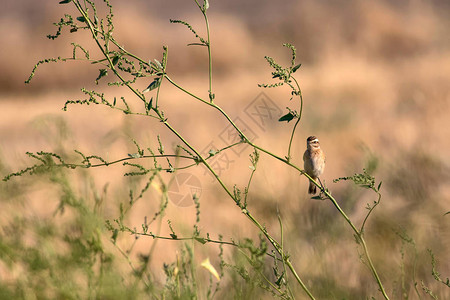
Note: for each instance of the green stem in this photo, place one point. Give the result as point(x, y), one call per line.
point(370, 211)
point(244, 138)
point(299, 91)
point(284, 259)
point(292, 138)
point(209, 56)
point(280, 251)
point(208, 45)
point(262, 274)
point(186, 91)
point(130, 263)
point(372, 268)
point(210, 60)
point(248, 186)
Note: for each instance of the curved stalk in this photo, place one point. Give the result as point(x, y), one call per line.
point(298, 119)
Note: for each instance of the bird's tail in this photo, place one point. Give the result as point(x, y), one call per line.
point(312, 187)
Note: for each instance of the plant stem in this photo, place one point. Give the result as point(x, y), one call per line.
point(370, 211)
point(284, 259)
point(280, 250)
point(298, 119)
point(209, 57)
point(372, 268)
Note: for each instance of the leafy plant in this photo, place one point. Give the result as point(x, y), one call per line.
point(119, 67)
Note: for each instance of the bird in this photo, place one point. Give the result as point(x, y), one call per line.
point(314, 161)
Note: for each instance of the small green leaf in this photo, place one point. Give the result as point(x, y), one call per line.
point(197, 44)
point(149, 106)
point(65, 1)
point(279, 280)
point(174, 236)
point(114, 235)
point(115, 60)
point(295, 68)
point(103, 72)
point(379, 186)
point(158, 64)
point(81, 19)
point(201, 240)
point(316, 197)
point(205, 5)
point(155, 83)
point(287, 117)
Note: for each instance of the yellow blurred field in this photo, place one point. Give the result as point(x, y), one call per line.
point(375, 81)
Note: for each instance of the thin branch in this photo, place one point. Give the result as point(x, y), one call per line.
point(298, 118)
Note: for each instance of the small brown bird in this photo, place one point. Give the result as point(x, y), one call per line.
point(314, 161)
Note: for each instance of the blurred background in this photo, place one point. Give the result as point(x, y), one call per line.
point(375, 81)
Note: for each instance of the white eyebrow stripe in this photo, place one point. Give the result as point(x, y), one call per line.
point(315, 140)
